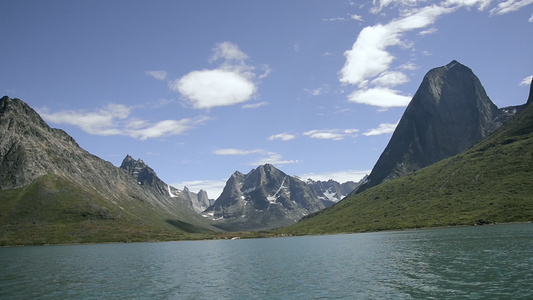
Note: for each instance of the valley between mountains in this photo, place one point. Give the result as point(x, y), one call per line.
point(454, 159)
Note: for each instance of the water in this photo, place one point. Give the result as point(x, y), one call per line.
point(484, 262)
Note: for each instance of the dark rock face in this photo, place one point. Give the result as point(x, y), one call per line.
point(332, 191)
point(29, 148)
point(143, 174)
point(449, 113)
point(264, 198)
point(203, 200)
point(199, 202)
point(147, 178)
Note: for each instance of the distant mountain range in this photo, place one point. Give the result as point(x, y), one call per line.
point(454, 158)
point(47, 181)
point(147, 177)
point(267, 198)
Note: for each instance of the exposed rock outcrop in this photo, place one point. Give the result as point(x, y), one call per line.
point(264, 198)
point(449, 113)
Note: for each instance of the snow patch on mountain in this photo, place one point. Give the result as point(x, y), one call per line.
point(272, 199)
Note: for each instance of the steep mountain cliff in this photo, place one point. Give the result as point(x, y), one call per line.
point(148, 179)
point(144, 175)
point(264, 198)
point(199, 202)
point(40, 166)
point(448, 114)
point(488, 183)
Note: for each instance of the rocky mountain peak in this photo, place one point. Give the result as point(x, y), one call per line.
point(143, 174)
point(332, 190)
point(19, 112)
point(29, 148)
point(263, 198)
point(449, 113)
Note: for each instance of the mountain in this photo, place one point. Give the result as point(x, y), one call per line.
point(488, 183)
point(449, 113)
point(144, 175)
point(53, 191)
point(262, 199)
point(147, 178)
point(332, 190)
point(200, 201)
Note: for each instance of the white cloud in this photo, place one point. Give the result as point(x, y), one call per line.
point(267, 70)
point(368, 57)
point(210, 88)
point(268, 156)
point(527, 80)
point(339, 176)
point(254, 105)
point(166, 128)
point(229, 84)
point(282, 136)
point(159, 74)
point(357, 17)
point(482, 4)
point(315, 92)
point(509, 6)
point(115, 119)
point(369, 60)
point(213, 187)
point(385, 3)
point(296, 47)
point(335, 19)
point(409, 66)
point(390, 79)
point(380, 96)
point(428, 31)
point(531, 19)
point(331, 134)
point(273, 159)
point(228, 52)
point(233, 151)
point(382, 129)
point(101, 122)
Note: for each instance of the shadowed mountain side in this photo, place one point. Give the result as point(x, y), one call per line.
point(449, 113)
point(491, 182)
point(186, 227)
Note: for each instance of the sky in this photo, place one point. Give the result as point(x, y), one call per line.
point(201, 89)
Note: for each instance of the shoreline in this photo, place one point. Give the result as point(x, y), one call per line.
point(264, 235)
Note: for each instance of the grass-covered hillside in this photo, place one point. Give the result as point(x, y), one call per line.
point(55, 210)
point(491, 182)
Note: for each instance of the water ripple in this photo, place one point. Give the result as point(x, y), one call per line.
point(488, 262)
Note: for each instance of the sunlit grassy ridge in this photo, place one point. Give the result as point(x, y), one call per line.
point(54, 210)
point(491, 182)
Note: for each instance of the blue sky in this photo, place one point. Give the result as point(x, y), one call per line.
point(201, 89)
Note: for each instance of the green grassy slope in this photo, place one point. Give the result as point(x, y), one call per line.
point(491, 182)
point(54, 210)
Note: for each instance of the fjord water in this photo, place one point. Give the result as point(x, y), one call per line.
point(481, 262)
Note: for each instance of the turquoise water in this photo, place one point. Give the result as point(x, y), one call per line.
point(483, 262)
